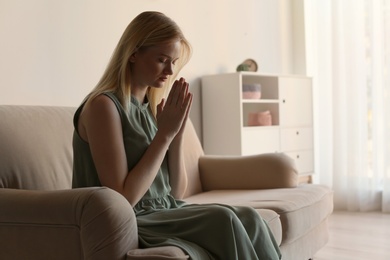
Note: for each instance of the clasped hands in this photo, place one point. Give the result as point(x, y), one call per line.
point(172, 113)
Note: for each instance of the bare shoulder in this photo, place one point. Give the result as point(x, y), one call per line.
point(100, 113)
point(101, 103)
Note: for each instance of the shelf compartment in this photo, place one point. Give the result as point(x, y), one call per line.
point(260, 107)
point(269, 85)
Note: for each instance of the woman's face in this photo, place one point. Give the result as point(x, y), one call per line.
point(152, 66)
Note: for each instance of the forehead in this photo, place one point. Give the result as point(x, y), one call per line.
point(171, 49)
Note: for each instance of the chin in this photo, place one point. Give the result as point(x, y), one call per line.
point(159, 84)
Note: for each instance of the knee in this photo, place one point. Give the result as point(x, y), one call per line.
point(247, 212)
point(221, 213)
point(248, 215)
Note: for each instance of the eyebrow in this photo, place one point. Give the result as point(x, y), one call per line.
point(162, 54)
point(165, 55)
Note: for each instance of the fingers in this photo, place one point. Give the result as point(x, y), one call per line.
point(187, 104)
point(178, 92)
point(172, 97)
point(173, 112)
point(179, 98)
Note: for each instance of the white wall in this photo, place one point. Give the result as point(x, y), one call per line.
point(52, 52)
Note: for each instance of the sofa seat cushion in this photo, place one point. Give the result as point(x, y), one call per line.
point(301, 209)
point(273, 221)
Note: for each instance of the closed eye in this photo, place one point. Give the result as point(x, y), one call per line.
point(167, 59)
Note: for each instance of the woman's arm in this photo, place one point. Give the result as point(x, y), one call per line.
point(177, 171)
point(104, 132)
point(102, 125)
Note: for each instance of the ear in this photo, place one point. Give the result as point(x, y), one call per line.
point(133, 57)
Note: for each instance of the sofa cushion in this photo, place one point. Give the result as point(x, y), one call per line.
point(301, 209)
point(36, 147)
point(273, 221)
point(192, 150)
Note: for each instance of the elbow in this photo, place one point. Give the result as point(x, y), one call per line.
point(132, 198)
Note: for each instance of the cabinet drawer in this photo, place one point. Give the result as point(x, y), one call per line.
point(257, 140)
point(304, 160)
point(296, 139)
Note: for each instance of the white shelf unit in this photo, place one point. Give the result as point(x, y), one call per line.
point(225, 116)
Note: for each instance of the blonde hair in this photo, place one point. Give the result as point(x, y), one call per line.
point(145, 30)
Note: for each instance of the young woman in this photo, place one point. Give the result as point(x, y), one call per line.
point(128, 137)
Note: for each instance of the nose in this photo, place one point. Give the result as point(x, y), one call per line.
point(168, 70)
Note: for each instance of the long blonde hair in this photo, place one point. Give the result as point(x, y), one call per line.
point(145, 30)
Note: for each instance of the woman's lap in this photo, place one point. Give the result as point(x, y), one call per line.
point(219, 231)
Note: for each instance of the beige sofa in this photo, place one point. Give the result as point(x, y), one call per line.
point(41, 217)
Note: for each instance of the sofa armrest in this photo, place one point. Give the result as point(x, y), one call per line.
point(263, 171)
point(86, 223)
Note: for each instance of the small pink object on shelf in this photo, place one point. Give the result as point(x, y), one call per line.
point(251, 91)
point(260, 118)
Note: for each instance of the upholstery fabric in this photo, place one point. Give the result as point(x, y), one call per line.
point(90, 223)
point(301, 209)
point(248, 172)
point(36, 151)
point(42, 218)
point(192, 152)
point(308, 244)
point(273, 221)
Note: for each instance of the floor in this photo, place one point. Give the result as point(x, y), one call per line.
point(357, 236)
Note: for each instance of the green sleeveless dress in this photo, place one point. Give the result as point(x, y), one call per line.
point(210, 231)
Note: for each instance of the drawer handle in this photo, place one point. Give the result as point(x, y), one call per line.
point(297, 132)
point(298, 156)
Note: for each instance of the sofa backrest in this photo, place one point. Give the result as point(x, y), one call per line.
point(192, 152)
point(36, 149)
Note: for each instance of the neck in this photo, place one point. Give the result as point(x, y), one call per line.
point(139, 94)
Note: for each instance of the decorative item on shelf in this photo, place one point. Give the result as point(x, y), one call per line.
point(260, 118)
point(251, 91)
point(248, 65)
